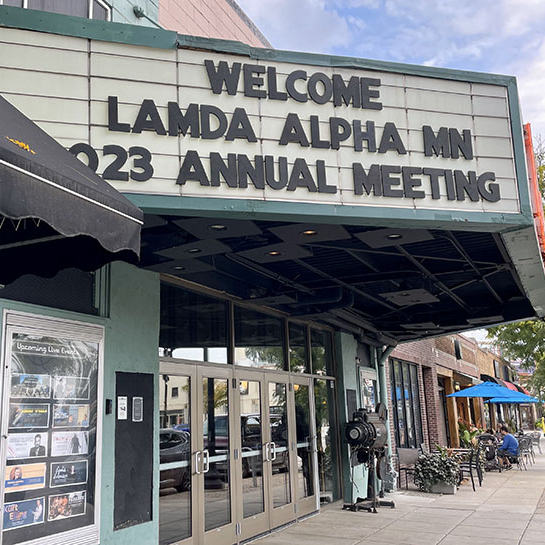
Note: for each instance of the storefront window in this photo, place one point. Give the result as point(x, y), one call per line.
point(298, 348)
point(95, 9)
point(321, 352)
point(51, 429)
point(193, 326)
point(406, 404)
point(259, 339)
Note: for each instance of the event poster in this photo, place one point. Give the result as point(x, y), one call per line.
point(66, 443)
point(22, 477)
point(27, 445)
point(70, 416)
point(50, 444)
point(68, 473)
point(66, 506)
point(25, 385)
point(23, 513)
point(71, 388)
point(28, 415)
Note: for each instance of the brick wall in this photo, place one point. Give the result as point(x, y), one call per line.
point(211, 19)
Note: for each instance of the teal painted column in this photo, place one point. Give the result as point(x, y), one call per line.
point(131, 345)
point(354, 480)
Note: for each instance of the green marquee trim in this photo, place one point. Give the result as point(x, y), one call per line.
point(328, 213)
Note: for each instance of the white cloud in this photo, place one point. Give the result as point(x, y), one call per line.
point(501, 36)
point(305, 25)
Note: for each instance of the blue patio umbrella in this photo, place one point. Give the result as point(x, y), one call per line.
point(528, 399)
point(484, 390)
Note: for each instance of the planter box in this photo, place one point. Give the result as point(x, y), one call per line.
point(444, 488)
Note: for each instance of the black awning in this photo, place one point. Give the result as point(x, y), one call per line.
point(55, 212)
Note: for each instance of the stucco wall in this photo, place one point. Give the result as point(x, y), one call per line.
point(210, 18)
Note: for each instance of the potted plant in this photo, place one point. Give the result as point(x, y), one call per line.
point(437, 472)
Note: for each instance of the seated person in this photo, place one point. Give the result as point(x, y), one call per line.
point(509, 447)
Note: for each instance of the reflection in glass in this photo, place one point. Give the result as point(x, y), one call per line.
point(416, 404)
point(193, 326)
point(278, 413)
point(217, 493)
point(175, 459)
point(324, 398)
point(259, 339)
point(305, 466)
point(408, 406)
point(298, 348)
point(321, 351)
point(252, 448)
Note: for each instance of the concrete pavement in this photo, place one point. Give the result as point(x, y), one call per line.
point(509, 509)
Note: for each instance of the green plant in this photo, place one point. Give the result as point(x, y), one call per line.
point(434, 468)
point(467, 434)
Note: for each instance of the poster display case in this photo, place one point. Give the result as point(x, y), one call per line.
point(51, 426)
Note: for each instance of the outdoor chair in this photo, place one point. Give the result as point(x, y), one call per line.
point(525, 446)
point(536, 440)
point(519, 459)
point(472, 466)
point(406, 459)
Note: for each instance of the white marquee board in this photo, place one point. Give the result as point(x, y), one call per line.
point(63, 83)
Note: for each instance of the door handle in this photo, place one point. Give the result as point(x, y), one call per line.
point(273, 450)
point(197, 462)
point(206, 461)
point(266, 446)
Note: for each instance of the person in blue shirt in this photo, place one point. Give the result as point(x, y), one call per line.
point(509, 447)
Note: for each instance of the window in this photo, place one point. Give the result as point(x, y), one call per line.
point(497, 369)
point(259, 339)
point(321, 346)
point(406, 404)
point(91, 9)
point(175, 392)
point(193, 326)
point(298, 348)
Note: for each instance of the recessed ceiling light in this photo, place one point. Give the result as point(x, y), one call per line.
point(179, 268)
point(217, 227)
point(309, 233)
point(394, 236)
point(274, 253)
point(194, 251)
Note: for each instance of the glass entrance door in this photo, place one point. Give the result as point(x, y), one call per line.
point(252, 455)
point(280, 456)
point(196, 456)
point(305, 436)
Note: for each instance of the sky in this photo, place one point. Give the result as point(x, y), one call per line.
point(497, 36)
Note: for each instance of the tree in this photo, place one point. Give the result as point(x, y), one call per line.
point(525, 342)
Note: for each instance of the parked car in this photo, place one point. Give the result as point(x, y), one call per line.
point(251, 440)
point(175, 446)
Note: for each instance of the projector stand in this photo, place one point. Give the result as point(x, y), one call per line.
point(370, 503)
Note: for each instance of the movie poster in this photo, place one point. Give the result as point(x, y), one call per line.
point(68, 473)
point(21, 477)
point(66, 443)
point(27, 445)
point(26, 415)
point(26, 385)
point(76, 388)
point(70, 416)
point(23, 513)
point(66, 506)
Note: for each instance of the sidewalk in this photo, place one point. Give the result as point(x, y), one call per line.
point(509, 509)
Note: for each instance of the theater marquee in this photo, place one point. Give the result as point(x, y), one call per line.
point(202, 124)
